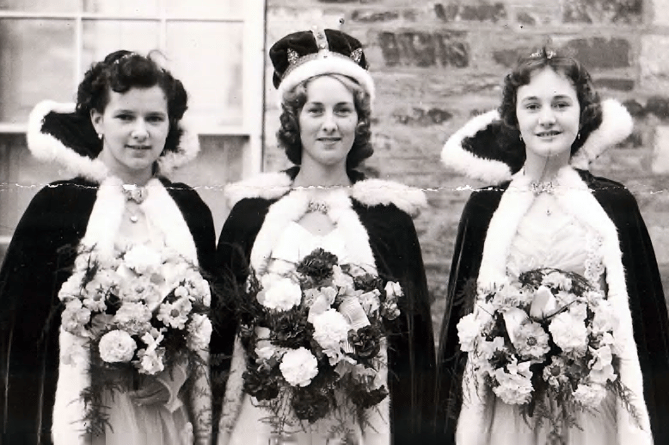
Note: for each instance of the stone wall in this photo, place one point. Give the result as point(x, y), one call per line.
point(436, 63)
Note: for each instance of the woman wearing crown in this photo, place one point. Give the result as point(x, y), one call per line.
point(325, 228)
point(104, 321)
point(556, 328)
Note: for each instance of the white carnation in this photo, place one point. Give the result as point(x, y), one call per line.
point(281, 294)
point(590, 396)
point(117, 346)
point(299, 367)
point(469, 328)
point(142, 259)
point(330, 329)
point(569, 333)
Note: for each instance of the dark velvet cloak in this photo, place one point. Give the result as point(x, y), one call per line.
point(644, 288)
point(38, 261)
point(397, 254)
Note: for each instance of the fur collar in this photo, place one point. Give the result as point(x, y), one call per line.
point(49, 148)
point(369, 192)
point(616, 125)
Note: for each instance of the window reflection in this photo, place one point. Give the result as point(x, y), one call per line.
point(36, 63)
point(100, 37)
point(207, 57)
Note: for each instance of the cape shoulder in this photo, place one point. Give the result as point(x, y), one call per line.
point(369, 192)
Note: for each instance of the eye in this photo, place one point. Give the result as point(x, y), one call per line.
point(125, 117)
point(156, 119)
point(532, 106)
point(562, 105)
point(314, 110)
point(344, 110)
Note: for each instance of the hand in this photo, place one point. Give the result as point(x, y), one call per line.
point(151, 392)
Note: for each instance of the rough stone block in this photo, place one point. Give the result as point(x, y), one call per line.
point(374, 16)
point(422, 117)
point(603, 11)
point(599, 52)
point(484, 12)
point(660, 164)
point(423, 49)
point(659, 106)
point(660, 12)
point(654, 62)
point(614, 84)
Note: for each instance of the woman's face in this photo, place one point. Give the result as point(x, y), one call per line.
point(548, 114)
point(134, 126)
point(327, 122)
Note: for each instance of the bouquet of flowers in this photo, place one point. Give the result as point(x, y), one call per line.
point(544, 341)
point(140, 312)
point(313, 338)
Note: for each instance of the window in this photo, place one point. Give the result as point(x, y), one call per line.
point(215, 47)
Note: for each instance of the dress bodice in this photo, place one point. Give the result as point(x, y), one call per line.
point(296, 242)
point(550, 236)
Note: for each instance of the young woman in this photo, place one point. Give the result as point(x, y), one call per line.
point(279, 219)
point(546, 210)
point(96, 255)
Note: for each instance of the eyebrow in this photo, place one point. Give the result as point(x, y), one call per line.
point(559, 97)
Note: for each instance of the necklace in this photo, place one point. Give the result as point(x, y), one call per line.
point(133, 192)
point(317, 206)
point(134, 196)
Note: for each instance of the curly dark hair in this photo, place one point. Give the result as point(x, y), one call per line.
point(588, 99)
point(122, 70)
point(292, 102)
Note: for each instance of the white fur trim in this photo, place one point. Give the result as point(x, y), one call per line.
point(462, 161)
point(326, 63)
point(372, 192)
point(48, 149)
point(575, 197)
point(187, 150)
point(73, 376)
point(264, 186)
point(293, 206)
point(616, 126)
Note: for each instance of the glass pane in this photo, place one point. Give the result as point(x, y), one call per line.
point(36, 63)
point(203, 8)
point(102, 37)
point(207, 58)
point(40, 5)
point(123, 7)
point(219, 162)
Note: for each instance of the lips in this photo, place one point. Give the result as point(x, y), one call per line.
point(548, 134)
point(139, 147)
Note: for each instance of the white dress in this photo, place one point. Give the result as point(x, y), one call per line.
point(549, 237)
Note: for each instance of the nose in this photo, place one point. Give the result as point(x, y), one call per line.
point(140, 131)
point(329, 124)
point(547, 116)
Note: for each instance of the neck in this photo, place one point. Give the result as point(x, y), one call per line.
point(127, 175)
point(544, 168)
point(318, 175)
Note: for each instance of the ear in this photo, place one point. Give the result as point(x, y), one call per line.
point(96, 120)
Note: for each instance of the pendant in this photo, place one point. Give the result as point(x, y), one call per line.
point(134, 218)
point(548, 212)
point(315, 206)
